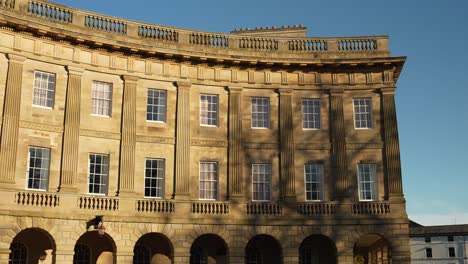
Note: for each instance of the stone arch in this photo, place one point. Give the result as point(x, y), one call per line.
point(37, 242)
point(372, 248)
point(263, 249)
point(101, 248)
point(209, 248)
point(317, 248)
point(199, 230)
point(153, 248)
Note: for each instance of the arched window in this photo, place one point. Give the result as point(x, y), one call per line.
point(253, 256)
point(309, 255)
point(141, 255)
point(19, 253)
point(198, 256)
point(82, 254)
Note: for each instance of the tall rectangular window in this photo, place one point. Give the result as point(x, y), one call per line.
point(314, 182)
point(44, 89)
point(156, 105)
point(362, 112)
point(208, 110)
point(261, 182)
point(154, 178)
point(311, 113)
point(428, 252)
point(367, 182)
point(451, 252)
point(38, 168)
point(260, 112)
point(101, 98)
point(98, 173)
point(208, 180)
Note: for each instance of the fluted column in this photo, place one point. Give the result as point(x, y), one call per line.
point(286, 135)
point(391, 144)
point(71, 133)
point(182, 151)
point(236, 186)
point(128, 142)
point(338, 140)
point(11, 115)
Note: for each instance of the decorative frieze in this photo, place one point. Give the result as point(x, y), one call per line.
point(208, 143)
point(260, 145)
point(99, 134)
point(362, 146)
point(154, 139)
point(313, 146)
point(41, 127)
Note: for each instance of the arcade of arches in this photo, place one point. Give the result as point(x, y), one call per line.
point(35, 245)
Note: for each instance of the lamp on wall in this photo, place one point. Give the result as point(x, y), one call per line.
point(98, 224)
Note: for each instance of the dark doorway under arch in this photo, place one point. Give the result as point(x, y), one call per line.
point(209, 249)
point(153, 248)
point(263, 249)
point(30, 244)
point(317, 249)
point(372, 249)
point(92, 247)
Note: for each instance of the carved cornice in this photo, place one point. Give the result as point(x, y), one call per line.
point(361, 146)
point(42, 127)
point(152, 139)
point(313, 146)
point(259, 145)
point(208, 143)
point(99, 134)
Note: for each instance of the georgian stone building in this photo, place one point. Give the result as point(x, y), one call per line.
point(125, 142)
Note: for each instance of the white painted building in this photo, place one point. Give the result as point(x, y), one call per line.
point(439, 244)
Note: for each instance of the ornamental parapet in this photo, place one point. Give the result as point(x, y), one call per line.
point(123, 35)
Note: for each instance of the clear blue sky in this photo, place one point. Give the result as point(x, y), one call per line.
point(432, 94)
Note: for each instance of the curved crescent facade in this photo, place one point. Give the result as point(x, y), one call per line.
point(126, 142)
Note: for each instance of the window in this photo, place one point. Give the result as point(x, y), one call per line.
point(18, 253)
point(427, 239)
point(102, 99)
point(253, 256)
point(141, 255)
point(154, 178)
point(44, 89)
point(314, 182)
point(362, 113)
point(261, 182)
point(156, 105)
point(367, 182)
point(208, 180)
point(260, 112)
point(428, 252)
point(451, 252)
point(98, 173)
point(311, 113)
point(198, 256)
point(82, 254)
point(38, 168)
point(208, 110)
point(450, 238)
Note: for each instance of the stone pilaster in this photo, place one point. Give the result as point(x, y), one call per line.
point(236, 185)
point(338, 140)
point(11, 115)
point(391, 145)
point(286, 135)
point(128, 141)
point(182, 151)
point(71, 133)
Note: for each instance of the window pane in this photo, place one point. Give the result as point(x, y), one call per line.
point(209, 180)
point(314, 182)
point(44, 89)
point(260, 112)
point(156, 105)
point(98, 173)
point(311, 113)
point(362, 112)
point(367, 182)
point(38, 168)
point(261, 182)
point(208, 110)
point(101, 97)
point(154, 178)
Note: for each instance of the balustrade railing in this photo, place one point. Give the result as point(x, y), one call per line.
point(357, 44)
point(159, 33)
point(7, 3)
point(37, 199)
point(308, 45)
point(264, 209)
point(98, 203)
point(370, 208)
point(155, 206)
point(258, 43)
point(50, 12)
point(316, 209)
point(210, 208)
point(106, 24)
point(210, 40)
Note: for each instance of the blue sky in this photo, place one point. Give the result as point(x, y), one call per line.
point(432, 94)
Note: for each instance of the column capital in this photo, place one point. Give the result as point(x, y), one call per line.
point(336, 92)
point(388, 91)
point(74, 70)
point(183, 85)
point(285, 91)
point(235, 89)
point(130, 78)
point(16, 58)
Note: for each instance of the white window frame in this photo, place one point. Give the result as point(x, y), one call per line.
point(260, 119)
point(103, 175)
point(160, 177)
point(311, 120)
point(372, 181)
point(363, 119)
point(316, 169)
point(211, 192)
point(158, 105)
point(41, 87)
point(100, 97)
point(266, 182)
point(209, 108)
point(44, 170)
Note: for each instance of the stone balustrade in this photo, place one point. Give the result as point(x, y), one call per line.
point(37, 199)
point(141, 37)
point(155, 206)
point(316, 208)
point(370, 208)
point(210, 208)
point(98, 203)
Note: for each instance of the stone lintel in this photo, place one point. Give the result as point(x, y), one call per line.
point(183, 84)
point(388, 91)
point(336, 92)
point(74, 70)
point(235, 89)
point(285, 91)
point(130, 79)
point(16, 58)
